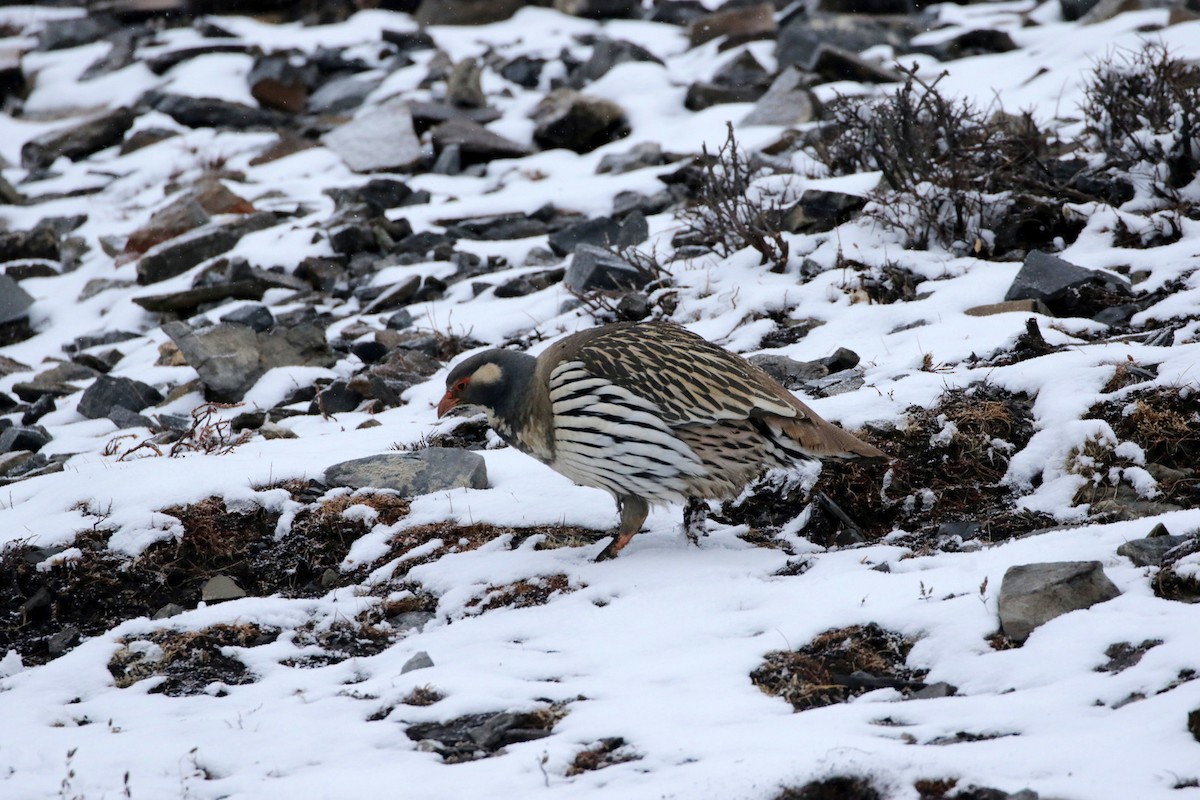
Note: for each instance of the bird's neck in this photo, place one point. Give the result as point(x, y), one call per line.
point(522, 417)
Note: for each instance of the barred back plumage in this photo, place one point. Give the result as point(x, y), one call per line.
point(648, 412)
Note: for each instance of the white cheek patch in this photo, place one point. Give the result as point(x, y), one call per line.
point(486, 375)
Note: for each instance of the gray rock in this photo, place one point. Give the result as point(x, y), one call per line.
point(448, 162)
point(787, 102)
point(1045, 277)
point(791, 373)
point(504, 729)
point(475, 143)
point(463, 87)
point(606, 54)
point(1150, 550)
point(435, 469)
point(646, 154)
point(596, 269)
point(598, 9)
point(78, 142)
point(231, 358)
point(63, 641)
point(818, 211)
point(168, 611)
point(411, 620)
point(336, 398)
point(835, 64)
point(54, 381)
point(934, 691)
point(803, 34)
point(106, 392)
point(341, 94)
point(124, 418)
point(255, 316)
point(14, 301)
point(23, 437)
point(565, 118)
point(209, 112)
point(599, 232)
point(467, 12)
point(419, 661)
point(528, 284)
point(60, 34)
point(1074, 9)
point(380, 139)
point(704, 94)
point(176, 256)
point(220, 588)
point(1033, 594)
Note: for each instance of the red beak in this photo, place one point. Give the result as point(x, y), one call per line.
point(448, 402)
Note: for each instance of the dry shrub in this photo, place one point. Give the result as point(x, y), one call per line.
point(824, 672)
point(522, 594)
point(841, 787)
point(188, 660)
point(1143, 110)
point(422, 696)
point(605, 753)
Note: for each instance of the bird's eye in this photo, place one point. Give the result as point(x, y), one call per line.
point(461, 385)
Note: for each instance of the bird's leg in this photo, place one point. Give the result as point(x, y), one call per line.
point(695, 515)
point(633, 513)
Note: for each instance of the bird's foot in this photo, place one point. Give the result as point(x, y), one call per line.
point(615, 546)
point(695, 517)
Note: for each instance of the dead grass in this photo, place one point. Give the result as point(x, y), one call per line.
point(188, 661)
point(522, 594)
point(422, 696)
point(827, 670)
point(605, 753)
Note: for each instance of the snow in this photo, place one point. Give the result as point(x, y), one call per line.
point(655, 647)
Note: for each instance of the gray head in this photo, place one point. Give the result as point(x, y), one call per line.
point(499, 381)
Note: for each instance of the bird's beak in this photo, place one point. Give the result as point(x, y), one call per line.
point(448, 402)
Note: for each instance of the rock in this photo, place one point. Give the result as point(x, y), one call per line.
point(565, 118)
point(60, 34)
point(341, 94)
point(124, 418)
point(56, 381)
point(419, 661)
point(1074, 9)
point(467, 12)
point(168, 611)
point(254, 316)
point(78, 142)
point(187, 301)
point(524, 71)
point(737, 25)
point(427, 114)
point(835, 64)
point(176, 219)
point(381, 139)
point(209, 112)
point(398, 294)
point(463, 87)
point(276, 82)
point(702, 95)
point(791, 373)
point(400, 320)
point(971, 43)
point(220, 588)
point(335, 398)
point(646, 154)
point(1008, 307)
point(40, 408)
point(818, 211)
point(40, 242)
point(504, 729)
point(528, 284)
point(23, 437)
point(608, 53)
point(448, 161)
point(378, 194)
point(934, 691)
point(14, 301)
point(106, 392)
point(596, 269)
point(787, 102)
point(598, 9)
point(475, 143)
point(64, 640)
point(144, 138)
point(1033, 594)
point(231, 358)
point(1118, 315)
point(8, 193)
point(1048, 278)
point(369, 352)
point(176, 256)
point(803, 34)
point(435, 469)
point(1150, 550)
point(600, 232)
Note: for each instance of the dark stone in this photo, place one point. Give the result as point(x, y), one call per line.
point(608, 53)
point(435, 469)
point(277, 83)
point(803, 35)
point(369, 352)
point(598, 9)
point(835, 64)
point(78, 142)
point(61, 34)
point(787, 102)
point(528, 284)
point(255, 316)
point(14, 301)
point(146, 137)
point(971, 43)
point(220, 588)
point(419, 661)
point(633, 306)
point(819, 211)
point(428, 114)
point(1033, 594)
point(341, 94)
point(398, 294)
point(124, 418)
point(646, 154)
point(498, 228)
point(600, 232)
point(378, 194)
point(335, 398)
point(108, 391)
point(596, 269)
point(231, 358)
point(467, 12)
point(1118, 315)
point(209, 112)
point(1151, 550)
point(40, 408)
point(702, 95)
point(177, 256)
point(55, 381)
point(400, 320)
point(64, 640)
point(523, 71)
point(24, 437)
point(1048, 278)
point(475, 143)
point(677, 12)
point(1074, 9)
point(189, 300)
point(41, 242)
point(565, 118)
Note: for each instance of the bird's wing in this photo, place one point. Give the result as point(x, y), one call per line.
point(689, 379)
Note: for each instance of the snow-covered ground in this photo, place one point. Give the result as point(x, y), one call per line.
point(656, 647)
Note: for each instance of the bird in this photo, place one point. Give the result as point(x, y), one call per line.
point(650, 412)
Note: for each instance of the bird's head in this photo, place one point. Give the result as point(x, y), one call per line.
point(495, 380)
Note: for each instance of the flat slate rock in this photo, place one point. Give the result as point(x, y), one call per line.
point(80, 141)
point(435, 469)
point(1033, 594)
point(107, 392)
point(381, 139)
point(787, 102)
point(596, 269)
point(1045, 277)
point(14, 301)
